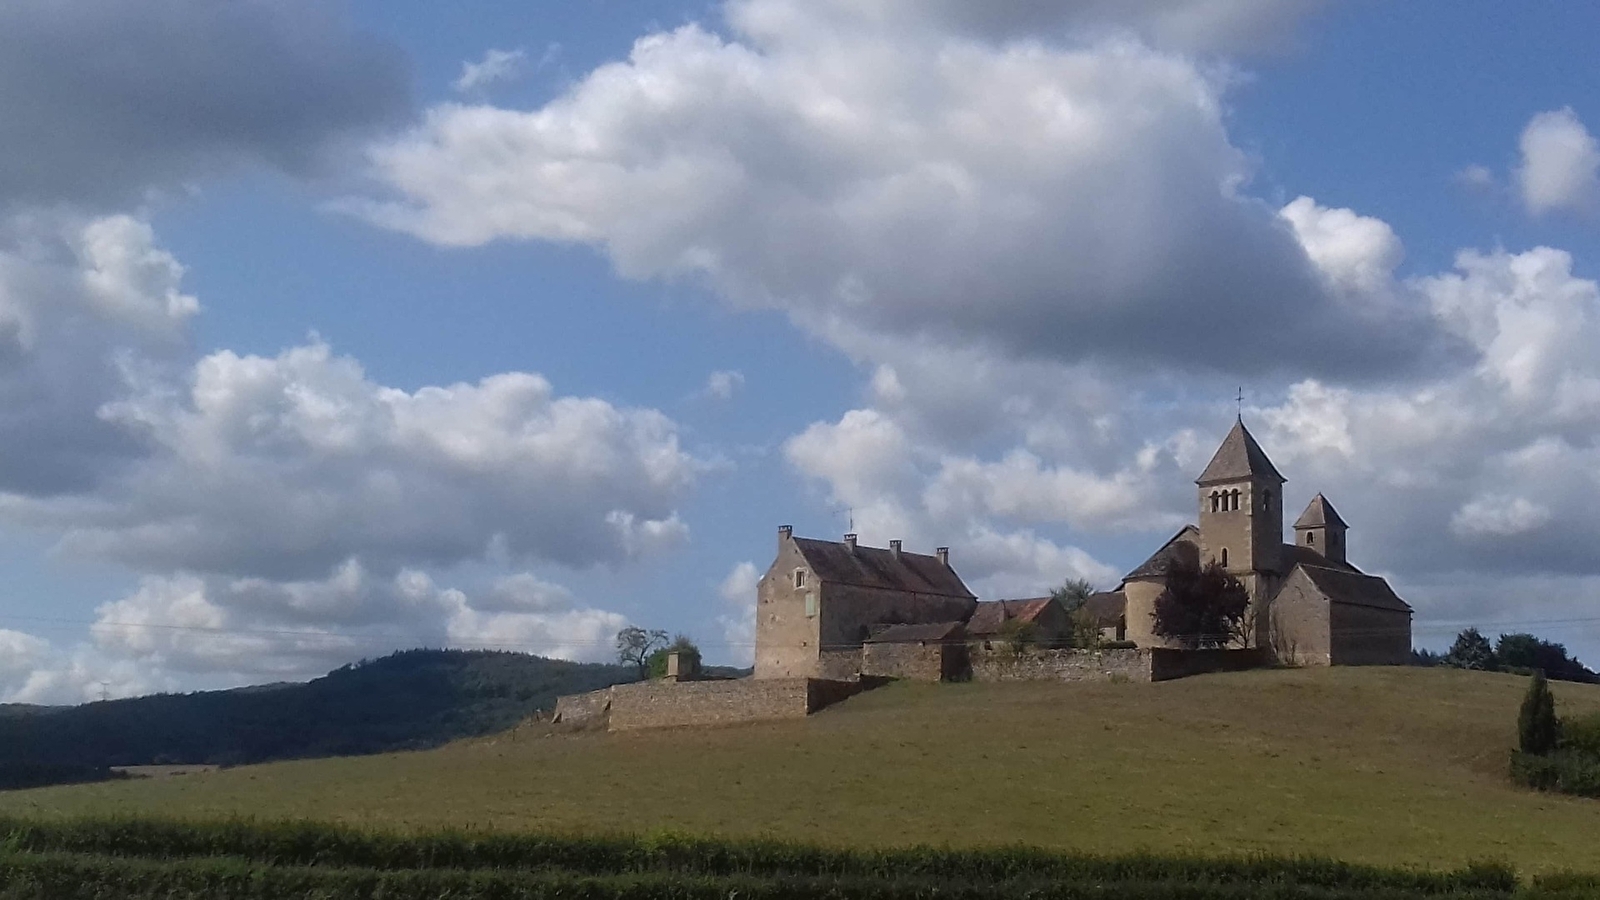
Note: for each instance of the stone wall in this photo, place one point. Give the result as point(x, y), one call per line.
point(1153, 664)
point(583, 709)
point(839, 665)
point(1368, 636)
point(1166, 664)
point(787, 638)
point(914, 661)
point(663, 704)
point(1003, 664)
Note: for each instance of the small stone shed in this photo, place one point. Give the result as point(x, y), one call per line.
point(1051, 624)
point(933, 652)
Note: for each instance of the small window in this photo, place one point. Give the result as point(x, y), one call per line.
point(1216, 501)
point(1266, 499)
point(799, 578)
point(811, 604)
point(1311, 539)
point(1224, 557)
point(1233, 501)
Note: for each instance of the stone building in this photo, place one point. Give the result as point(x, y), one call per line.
point(820, 601)
point(1308, 603)
point(1051, 625)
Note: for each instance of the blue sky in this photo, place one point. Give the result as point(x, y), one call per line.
point(322, 351)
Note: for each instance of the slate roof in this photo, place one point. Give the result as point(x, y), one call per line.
point(936, 632)
point(1238, 458)
point(875, 567)
point(1355, 588)
point(1183, 548)
point(1319, 512)
point(991, 614)
point(1107, 608)
point(1296, 555)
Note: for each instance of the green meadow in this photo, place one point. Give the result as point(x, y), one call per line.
point(1395, 767)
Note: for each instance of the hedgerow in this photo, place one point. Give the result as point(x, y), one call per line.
point(308, 844)
point(25, 876)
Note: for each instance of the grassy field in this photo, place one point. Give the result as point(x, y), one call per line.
point(1387, 766)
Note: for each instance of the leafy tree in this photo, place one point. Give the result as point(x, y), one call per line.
point(1471, 651)
point(634, 646)
point(1201, 607)
point(1537, 729)
point(1073, 595)
point(682, 645)
point(1524, 651)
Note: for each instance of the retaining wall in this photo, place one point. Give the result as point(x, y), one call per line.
point(662, 704)
point(1004, 664)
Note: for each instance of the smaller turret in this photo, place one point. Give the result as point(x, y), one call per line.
point(1319, 528)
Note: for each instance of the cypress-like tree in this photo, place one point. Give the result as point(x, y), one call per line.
point(1536, 723)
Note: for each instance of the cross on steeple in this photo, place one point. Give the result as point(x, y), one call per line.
point(1240, 399)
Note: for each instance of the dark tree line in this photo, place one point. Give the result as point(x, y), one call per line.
point(1519, 652)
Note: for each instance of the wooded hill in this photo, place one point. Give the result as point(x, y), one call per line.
point(412, 699)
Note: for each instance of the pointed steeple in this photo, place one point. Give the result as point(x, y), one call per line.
point(1320, 514)
point(1239, 458)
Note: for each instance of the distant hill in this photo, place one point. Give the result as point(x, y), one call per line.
point(410, 700)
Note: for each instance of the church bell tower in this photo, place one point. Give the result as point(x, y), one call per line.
point(1241, 511)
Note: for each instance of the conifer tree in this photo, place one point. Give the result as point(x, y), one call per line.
point(1537, 728)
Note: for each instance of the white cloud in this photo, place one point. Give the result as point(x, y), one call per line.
point(280, 510)
point(1356, 253)
point(495, 67)
point(723, 384)
point(1560, 164)
point(1498, 515)
point(1476, 177)
point(738, 623)
point(1045, 200)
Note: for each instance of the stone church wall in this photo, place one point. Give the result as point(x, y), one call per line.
point(1366, 636)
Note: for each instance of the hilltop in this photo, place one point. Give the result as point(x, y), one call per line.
point(408, 700)
point(1380, 765)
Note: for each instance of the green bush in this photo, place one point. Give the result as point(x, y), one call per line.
point(1563, 771)
point(1582, 735)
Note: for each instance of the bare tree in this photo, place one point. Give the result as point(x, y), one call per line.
point(634, 646)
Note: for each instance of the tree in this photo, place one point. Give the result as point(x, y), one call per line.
point(1524, 651)
point(1073, 595)
point(1202, 607)
point(681, 645)
point(1471, 651)
point(634, 646)
point(1537, 728)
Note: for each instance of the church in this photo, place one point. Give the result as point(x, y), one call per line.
point(1309, 605)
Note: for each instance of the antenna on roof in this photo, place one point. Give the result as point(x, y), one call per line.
point(849, 511)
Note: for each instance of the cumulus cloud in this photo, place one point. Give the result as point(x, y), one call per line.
point(1560, 167)
point(282, 509)
point(496, 66)
point(105, 101)
point(1043, 200)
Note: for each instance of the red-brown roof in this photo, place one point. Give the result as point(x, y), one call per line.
point(990, 615)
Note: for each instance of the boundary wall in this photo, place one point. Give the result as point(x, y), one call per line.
point(1140, 665)
point(664, 704)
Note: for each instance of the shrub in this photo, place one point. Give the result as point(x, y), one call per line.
point(1582, 735)
point(1562, 771)
point(657, 661)
point(1537, 728)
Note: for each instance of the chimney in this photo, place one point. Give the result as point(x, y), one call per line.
point(894, 547)
point(944, 556)
point(784, 533)
point(850, 542)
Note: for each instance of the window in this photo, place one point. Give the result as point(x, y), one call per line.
point(1311, 539)
point(1216, 501)
point(1266, 499)
point(811, 604)
point(799, 578)
point(1234, 501)
point(1224, 557)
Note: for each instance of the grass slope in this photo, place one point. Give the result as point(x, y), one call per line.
point(1381, 766)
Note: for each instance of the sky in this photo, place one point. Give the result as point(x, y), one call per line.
point(334, 328)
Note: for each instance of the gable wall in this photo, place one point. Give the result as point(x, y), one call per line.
point(786, 638)
point(1300, 630)
point(848, 611)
